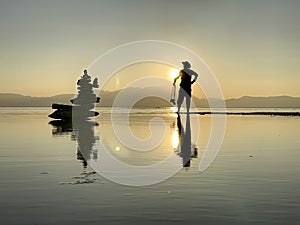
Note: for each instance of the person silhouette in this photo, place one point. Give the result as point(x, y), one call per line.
point(185, 85)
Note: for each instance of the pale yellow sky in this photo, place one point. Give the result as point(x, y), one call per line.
point(142, 70)
point(251, 46)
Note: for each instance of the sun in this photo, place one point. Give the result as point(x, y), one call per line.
point(174, 73)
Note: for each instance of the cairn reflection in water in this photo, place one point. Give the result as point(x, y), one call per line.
point(75, 118)
point(85, 136)
point(83, 133)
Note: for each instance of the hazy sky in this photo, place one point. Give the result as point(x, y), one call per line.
point(252, 46)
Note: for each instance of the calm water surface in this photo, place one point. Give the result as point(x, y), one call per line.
point(44, 180)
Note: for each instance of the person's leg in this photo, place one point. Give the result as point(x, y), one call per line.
point(188, 102)
point(180, 98)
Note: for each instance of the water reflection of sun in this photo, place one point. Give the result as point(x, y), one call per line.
point(175, 139)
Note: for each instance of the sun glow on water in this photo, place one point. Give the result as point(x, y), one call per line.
point(175, 139)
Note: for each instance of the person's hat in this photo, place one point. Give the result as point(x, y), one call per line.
point(186, 64)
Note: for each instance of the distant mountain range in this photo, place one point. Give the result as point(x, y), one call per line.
point(107, 98)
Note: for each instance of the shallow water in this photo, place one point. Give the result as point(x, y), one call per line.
point(253, 180)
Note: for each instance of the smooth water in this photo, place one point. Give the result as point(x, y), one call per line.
point(253, 180)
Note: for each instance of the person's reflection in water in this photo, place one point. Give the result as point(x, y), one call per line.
point(185, 141)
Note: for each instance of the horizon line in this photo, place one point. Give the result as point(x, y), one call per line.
point(241, 96)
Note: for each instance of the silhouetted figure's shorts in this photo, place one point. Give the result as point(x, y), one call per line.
point(188, 90)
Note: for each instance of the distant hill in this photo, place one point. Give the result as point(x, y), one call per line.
point(267, 102)
point(16, 100)
point(107, 98)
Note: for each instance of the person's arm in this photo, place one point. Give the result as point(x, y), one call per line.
point(175, 79)
point(195, 77)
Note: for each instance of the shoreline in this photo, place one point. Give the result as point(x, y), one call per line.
point(291, 114)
